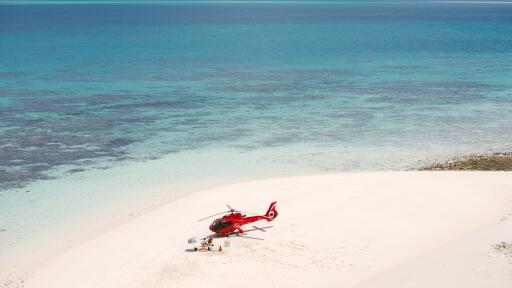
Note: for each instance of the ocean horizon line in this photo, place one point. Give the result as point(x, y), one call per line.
point(215, 2)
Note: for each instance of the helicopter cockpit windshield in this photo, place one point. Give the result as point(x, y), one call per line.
point(218, 224)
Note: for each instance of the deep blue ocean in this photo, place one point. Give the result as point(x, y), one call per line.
point(332, 87)
point(87, 83)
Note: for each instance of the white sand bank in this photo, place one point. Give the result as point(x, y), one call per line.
point(389, 229)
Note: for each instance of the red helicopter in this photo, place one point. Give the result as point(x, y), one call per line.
point(232, 222)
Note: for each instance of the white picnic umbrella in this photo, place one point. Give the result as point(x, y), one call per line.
point(193, 240)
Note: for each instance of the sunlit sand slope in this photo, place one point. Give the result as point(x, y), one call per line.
point(386, 229)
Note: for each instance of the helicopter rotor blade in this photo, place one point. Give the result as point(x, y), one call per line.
point(246, 212)
point(230, 208)
point(216, 214)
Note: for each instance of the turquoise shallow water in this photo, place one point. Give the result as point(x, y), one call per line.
point(313, 87)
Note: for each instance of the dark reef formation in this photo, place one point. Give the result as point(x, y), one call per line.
point(486, 162)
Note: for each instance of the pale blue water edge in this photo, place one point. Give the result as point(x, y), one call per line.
point(269, 89)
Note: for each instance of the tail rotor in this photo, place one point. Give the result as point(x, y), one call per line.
point(271, 212)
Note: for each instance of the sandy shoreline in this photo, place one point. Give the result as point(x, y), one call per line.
point(397, 229)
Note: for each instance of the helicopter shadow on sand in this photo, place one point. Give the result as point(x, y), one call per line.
point(236, 234)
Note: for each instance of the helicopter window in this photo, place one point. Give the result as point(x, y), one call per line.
point(218, 225)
